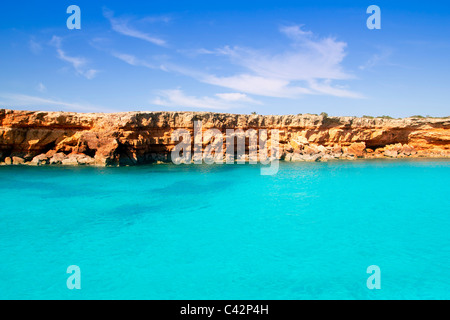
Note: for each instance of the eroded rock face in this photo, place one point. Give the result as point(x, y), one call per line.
point(356, 149)
point(133, 138)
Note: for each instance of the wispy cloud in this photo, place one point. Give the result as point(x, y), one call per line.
point(176, 98)
point(311, 62)
point(41, 87)
point(324, 87)
point(236, 97)
point(122, 26)
point(13, 101)
point(379, 58)
point(132, 60)
point(78, 63)
point(308, 67)
point(160, 18)
point(35, 47)
point(258, 85)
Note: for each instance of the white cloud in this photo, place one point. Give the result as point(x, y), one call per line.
point(25, 101)
point(308, 67)
point(235, 97)
point(78, 63)
point(258, 85)
point(176, 98)
point(325, 88)
point(295, 32)
point(121, 25)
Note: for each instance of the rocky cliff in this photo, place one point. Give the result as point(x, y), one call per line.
point(40, 138)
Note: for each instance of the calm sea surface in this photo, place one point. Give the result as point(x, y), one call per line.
point(226, 232)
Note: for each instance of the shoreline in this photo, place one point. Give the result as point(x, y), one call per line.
point(137, 138)
point(158, 164)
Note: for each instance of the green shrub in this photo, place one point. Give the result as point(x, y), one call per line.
point(385, 117)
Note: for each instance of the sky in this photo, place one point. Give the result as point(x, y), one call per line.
point(269, 57)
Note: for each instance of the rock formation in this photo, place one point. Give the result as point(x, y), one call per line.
point(131, 138)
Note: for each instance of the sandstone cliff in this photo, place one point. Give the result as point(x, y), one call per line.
point(130, 138)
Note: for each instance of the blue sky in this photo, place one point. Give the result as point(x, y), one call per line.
point(269, 57)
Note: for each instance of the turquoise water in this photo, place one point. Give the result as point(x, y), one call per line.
point(226, 232)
